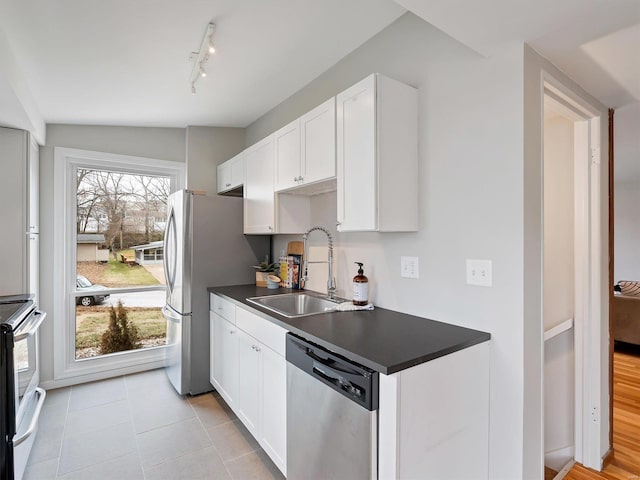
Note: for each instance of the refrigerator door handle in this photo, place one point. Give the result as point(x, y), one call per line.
point(170, 315)
point(170, 252)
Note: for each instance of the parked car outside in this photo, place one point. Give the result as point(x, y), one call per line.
point(84, 285)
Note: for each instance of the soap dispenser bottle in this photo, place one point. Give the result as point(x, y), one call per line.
point(360, 287)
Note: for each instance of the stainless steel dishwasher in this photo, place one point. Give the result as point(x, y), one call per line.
point(331, 415)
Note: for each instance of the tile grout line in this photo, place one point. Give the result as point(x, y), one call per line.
point(63, 437)
point(64, 429)
point(133, 424)
point(211, 439)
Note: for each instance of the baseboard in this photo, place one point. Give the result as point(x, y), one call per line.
point(77, 380)
point(564, 470)
point(557, 459)
point(608, 458)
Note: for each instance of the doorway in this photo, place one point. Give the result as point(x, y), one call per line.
point(559, 288)
point(572, 281)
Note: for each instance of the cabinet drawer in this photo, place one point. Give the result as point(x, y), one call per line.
point(222, 307)
point(262, 330)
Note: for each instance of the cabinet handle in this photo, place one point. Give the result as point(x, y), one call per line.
point(270, 228)
point(227, 185)
point(295, 179)
point(231, 332)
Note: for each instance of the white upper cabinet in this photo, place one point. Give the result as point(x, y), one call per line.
point(33, 176)
point(377, 156)
point(305, 149)
point(259, 201)
point(287, 162)
point(231, 175)
point(19, 157)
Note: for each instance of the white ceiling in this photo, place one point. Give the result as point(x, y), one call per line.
point(595, 42)
point(124, 62)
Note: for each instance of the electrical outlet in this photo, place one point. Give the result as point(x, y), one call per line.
point(409, 267)
point(479, 272)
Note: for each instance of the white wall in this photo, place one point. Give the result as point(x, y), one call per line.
point(18, 106)
point(159, 143)
point(627, 231)
point(559, 292)
point(558, 221)
point(627, 193)
point(470, 154)
point(208, 147)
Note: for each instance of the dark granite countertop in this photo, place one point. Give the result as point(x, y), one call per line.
point(383, 340)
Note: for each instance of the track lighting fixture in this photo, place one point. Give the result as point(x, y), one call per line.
point(201, 57)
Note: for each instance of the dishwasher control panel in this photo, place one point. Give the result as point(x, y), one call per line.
point(352, 380)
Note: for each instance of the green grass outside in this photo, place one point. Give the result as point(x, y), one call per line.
point(91, 323)
point(118, 274)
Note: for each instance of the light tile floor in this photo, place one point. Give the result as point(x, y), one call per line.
point(138, 427)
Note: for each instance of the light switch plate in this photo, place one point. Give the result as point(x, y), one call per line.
point(479, 272)
point(409, 267)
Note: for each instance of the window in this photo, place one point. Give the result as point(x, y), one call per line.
point(109, 217)
point(107, 257)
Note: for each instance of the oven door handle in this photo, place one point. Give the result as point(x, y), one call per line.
point(33, 324)
point(34, 420)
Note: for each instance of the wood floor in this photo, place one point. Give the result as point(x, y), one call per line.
point(626, 424)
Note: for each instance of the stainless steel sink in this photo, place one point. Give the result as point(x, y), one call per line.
point(293, 305)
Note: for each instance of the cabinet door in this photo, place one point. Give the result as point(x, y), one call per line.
point(33, 221)
point(34, 264)
point(249, 386)
point(274, 407)
point(287, 156)
point(356, 157)
point(13, 211)
point(224, 358)
point(259, 213)
point(318, 138)
point(237, 170)
point(224, 177)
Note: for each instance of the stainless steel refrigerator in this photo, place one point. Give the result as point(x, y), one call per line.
point(204, 246)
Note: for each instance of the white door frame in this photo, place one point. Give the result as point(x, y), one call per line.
point(591, 379)
point(66, 369)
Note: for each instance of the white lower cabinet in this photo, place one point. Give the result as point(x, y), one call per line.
point(249, 360)
point(431, 414)
point(224, 358)
point(274, 407)
point(249, 370)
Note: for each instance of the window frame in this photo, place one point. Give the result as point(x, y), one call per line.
point(66, 163)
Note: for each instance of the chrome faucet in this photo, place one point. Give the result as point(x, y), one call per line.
point(331, 282)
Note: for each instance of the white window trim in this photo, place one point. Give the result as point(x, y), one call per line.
point(65, 366)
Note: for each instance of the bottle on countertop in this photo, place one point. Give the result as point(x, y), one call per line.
point(360, 287)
